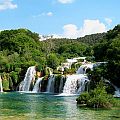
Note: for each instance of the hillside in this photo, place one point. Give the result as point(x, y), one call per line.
point(109, 50)
point(21, 48)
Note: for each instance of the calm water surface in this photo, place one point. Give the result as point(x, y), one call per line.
point(29, 106)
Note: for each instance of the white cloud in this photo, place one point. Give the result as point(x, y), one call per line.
point(7, 4)
point(108, 21)
point(89, 27)
point(49, 14)
point(70, 31)
point(66, 1)
point(92, 26)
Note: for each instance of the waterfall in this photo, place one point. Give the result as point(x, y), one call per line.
point(75, 84)
point(117, 92)
point(36, 88)
point(1, 88)
point(29, 76)
point(82, 69)
point(68, 85)
point(82, 84)
point(50, 86)
point(61, 85)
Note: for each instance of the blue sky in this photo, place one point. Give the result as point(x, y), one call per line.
point(66, 18)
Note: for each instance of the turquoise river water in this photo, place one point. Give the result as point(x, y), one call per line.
point(30, 106)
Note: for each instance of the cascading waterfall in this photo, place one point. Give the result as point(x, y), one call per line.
point(82, 84)
point(50, 86)
point(117, 92)
point(67, 85)
point(37, 85)
point(75, 84)
point(29, 76)
point(83, 68)
point(1, 88)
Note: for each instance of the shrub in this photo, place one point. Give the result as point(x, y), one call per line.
point(69, 71)
point(56, 71)
point(83, 98)
point(97, 98)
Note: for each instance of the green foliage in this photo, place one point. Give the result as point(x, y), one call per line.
point(77, 65)
point(19, 49)
point(97, 74)
point(97, 98)
point(69, 71)
point(39, 68)
point(90, 58)
point(52, 61)
point(109, 50)
point(92, 39)
point(5, 81)
point(83, 98)
point(56, 71)
point(14, 77)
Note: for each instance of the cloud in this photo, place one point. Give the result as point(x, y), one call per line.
point(7, 4)
point(70, 31)
point(49, 14)
point(89, 27)
point(108, 21)
point(66, 1)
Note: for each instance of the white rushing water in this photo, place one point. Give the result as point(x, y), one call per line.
point(50, 86)
point(37, 85)
point(1, 88)
point(29, 76)
point(75, 84)
point(82, 69)
point(117, 92)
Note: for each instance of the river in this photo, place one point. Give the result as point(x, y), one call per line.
point(31, 106)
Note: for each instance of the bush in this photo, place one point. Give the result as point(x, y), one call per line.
point(5, 81)
point(69, 71)
point(83, 98)
point(97, 98)
point(56, 71)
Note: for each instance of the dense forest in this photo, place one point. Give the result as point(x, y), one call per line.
point(21, 48)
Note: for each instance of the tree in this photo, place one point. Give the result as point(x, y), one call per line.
point(52, 61)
